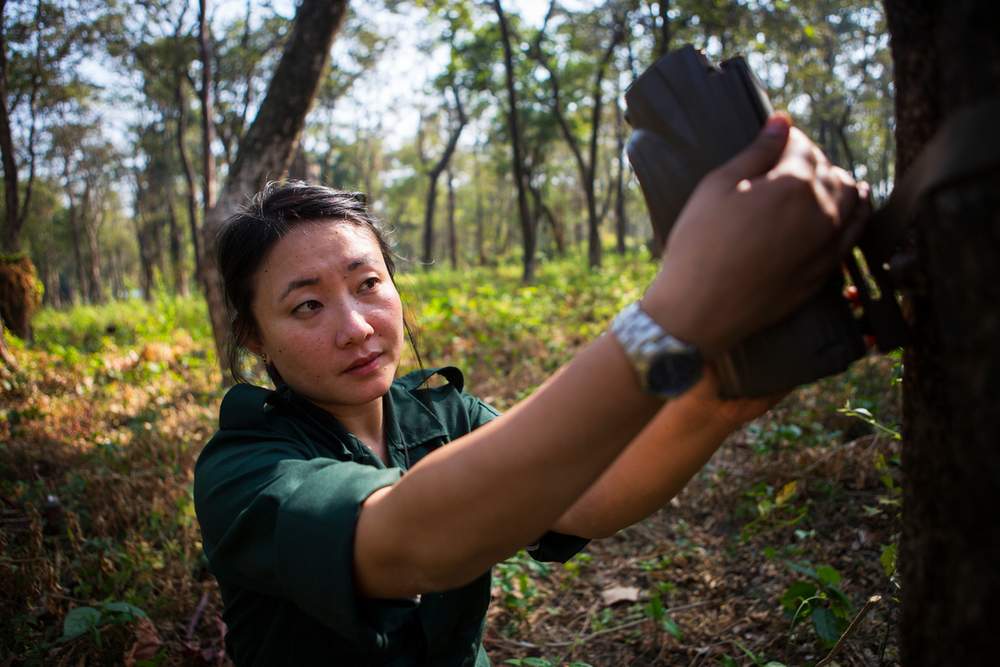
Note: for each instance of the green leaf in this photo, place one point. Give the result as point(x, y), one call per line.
point(670, 625)
point(78, 621)
point(795, 594)
point(654, 609)
point(828, 575)
point(802, 569)
point(888, 559)
point(124, 609)
point(825, 624)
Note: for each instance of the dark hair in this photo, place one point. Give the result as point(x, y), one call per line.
point(247, 236)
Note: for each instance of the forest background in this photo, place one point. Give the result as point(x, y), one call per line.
point(124, 124)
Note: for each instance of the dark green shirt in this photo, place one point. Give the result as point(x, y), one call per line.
point(278, 490)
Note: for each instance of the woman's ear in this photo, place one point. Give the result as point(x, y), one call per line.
point(255, 345)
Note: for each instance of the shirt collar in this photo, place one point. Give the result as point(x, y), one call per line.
point(402, 407)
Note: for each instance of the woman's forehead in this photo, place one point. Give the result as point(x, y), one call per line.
point(320, 247)
point(325, 241)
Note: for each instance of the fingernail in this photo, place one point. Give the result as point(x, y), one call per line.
point(776, 126)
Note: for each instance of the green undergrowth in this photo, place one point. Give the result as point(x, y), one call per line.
point(92, 328)
point(508, 336)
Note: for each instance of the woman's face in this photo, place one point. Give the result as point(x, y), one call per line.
point(328, 315)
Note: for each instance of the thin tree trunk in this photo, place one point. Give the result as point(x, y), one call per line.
point(621, 220)
point(430, 204)
point(543, 211)
point(586, 167)
point(12, 230)
point(452, 235)
point(946, 56)
point(74, 226)
point(663, 37)
point(435, 173)
point(207, 108)
point(516, 142)
point(480, 222)
point(190, 187)
point(269, 143)
point(176, 249)
point(91, 227)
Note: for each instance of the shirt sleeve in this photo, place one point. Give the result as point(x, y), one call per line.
point(552, 546)
point(279, 523)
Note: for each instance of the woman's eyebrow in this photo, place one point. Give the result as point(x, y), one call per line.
point(364, 260)
point(296, 284)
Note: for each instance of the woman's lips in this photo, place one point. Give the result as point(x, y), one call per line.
point(365, 365)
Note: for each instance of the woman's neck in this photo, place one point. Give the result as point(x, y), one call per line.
point(365, 422)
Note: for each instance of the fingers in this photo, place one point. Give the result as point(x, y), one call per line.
point(853, 226)
point(842, 189)
point(761, 155)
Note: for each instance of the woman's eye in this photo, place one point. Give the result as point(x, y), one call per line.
point(307, 306)
point(369, 284)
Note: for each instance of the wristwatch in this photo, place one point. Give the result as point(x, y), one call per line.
point(665, 366)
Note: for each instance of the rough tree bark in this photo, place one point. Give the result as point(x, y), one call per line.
point(516, 143)
point(947, 55)
point(267, 147)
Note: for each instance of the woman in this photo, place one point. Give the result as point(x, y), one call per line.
point(326, 553)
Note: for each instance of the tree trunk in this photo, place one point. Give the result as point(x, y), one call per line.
point(430, 204)
point(176, 249)
point(92, 229)
point(542, 210)
point(621, 220)
point(269, 143)
point(480, 223)
point(587, 167)
point(516, 142)
point(83, 288)
point(452, 235)
point(435, 173)
point(947, 56)
point(207, 108)
point(12, 230)
point(191, 190)
point(663, 35)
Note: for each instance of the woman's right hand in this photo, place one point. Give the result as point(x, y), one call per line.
point(759, 235)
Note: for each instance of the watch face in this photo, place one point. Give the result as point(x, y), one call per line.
point(671, 373)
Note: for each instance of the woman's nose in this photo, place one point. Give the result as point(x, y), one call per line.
point(354, 328)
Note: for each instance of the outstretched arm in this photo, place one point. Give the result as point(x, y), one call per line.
point(660, 461)
point(773, 216)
